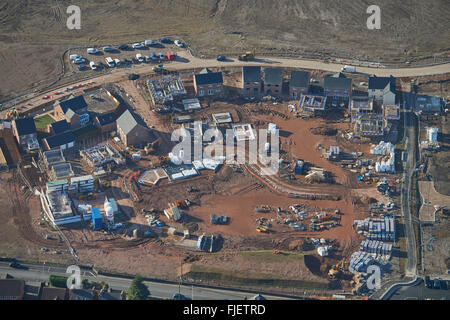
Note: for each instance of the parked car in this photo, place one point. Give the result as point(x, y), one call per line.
point(138, 45)
point(123, 47)
point(79, 60)
point(162, 56)
point(108, 49)
point(74, 56)
point(140, 57)
point(444, 285)
point(17, 265)
point(92, 65)
point(134, 60)
point(154, 56)
point(220, 58)
point(436, 284)
point(428, 282)
point(165, 40)
point(179, 296)
point(149, 43)
point(92, 51)
point(179, 43)
point(81, 67)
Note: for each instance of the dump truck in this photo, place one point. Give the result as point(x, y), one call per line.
point(247, 56)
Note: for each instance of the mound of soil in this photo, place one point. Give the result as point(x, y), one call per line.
point(313, 264)
point(324, 131)
point(368, 200)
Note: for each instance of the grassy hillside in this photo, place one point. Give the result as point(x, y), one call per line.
point(33, 33)
point(417, 26)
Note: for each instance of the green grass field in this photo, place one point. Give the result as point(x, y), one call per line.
point(42, 122)
point(269, 256)
point(245, 278)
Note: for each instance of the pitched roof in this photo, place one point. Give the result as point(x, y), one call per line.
point(75, 104)
point(128, 121)
point(60, 139)
point(54, 293)
point(337, 83)
point(273, 76)
point(81, 294)
point(60, 126)
point(208, 78)
point(11, 288)
point(380, 83)
point(299, 79)
point(70, 113)
point(205, 70)
point(339, 75)
point(25, 126)
point(106, 118)
point(251, 73)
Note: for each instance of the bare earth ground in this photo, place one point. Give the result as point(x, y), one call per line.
point(411, 30)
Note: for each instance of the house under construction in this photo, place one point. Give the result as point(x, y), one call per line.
point(370, 125)
point(165, 90)
point(312, 103)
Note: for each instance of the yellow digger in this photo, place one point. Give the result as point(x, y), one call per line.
point(336, 270)
point(248, 56)
point(263, 229)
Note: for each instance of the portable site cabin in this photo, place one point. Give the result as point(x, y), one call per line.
point(96, 219)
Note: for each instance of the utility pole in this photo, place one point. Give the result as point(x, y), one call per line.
point(179, 282)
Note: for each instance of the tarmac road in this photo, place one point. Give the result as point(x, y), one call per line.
point(411, 265)
point(420, 292)
point(41, 272)
point(185, 61)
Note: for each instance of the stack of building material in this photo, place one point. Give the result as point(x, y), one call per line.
point(359, 262)
point(377, 229)
point(386, 163)
point(375, 246)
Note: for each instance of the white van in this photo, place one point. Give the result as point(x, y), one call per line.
point(139, 57)
point(348, 69)
point(117, 62)
point(110, 62)
point(92, 51)
point(74, 56)
point(92, 65)
point(149, 42)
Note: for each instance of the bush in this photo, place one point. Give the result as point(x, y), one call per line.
point(58, 281)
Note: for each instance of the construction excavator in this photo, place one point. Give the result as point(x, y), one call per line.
point(336, 270)
point(247, 56)
point(153, 147)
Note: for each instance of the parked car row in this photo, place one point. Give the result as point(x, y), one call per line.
point(437, 283)
point(83, 63)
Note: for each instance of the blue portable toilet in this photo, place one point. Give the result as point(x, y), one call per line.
point(96, 219)
point(299, 167)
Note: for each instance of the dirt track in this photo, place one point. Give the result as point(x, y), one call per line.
point(185, 61)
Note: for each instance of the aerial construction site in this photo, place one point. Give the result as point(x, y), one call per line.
point(284, 175)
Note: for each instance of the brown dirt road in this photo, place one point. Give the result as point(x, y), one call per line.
point(185, 61)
